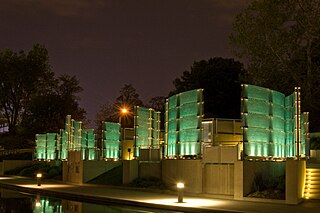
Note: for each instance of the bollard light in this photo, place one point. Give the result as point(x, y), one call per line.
point(39, 176)
point(180, 187)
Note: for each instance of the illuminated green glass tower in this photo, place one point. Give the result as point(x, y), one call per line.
point(111, 140)
point(184, 114)
point(146, 129)
point(88, 142)
point(273, 125)
point(41, 143)
point(51, 146)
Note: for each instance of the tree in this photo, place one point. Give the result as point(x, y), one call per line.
point(128, 98)
point(21, 76)
point(221, 79)
point(281, 40)
point(46, 111)
point(106, 113)
point(158, 103)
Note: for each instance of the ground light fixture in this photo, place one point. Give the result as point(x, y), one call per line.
point(39, 176)
point(180, 187)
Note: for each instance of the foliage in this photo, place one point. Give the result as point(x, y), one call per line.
point(221, 79)
point(46, 112)
point(280, 40)
point(22, 75)
point(8, 141)
point(315, 143)
point(32, 99)
point(128, 98)
point(48, 171)
point(158, 103)
point(152, 182)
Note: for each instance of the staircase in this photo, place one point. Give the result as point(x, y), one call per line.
point(312, 186)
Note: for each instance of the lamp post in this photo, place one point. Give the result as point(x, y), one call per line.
point(180, 187)
point(39, 176)
point(123, 111)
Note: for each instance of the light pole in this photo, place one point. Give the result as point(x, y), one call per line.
point(39, 176)
point(123, 111)
point(180, 187)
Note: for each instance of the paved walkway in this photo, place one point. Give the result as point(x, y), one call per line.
point(157, 200)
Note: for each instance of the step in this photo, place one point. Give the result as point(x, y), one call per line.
point(312, 195)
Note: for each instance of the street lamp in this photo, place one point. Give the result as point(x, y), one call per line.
point(180, 187)
point(39, 176)
point(123, 111)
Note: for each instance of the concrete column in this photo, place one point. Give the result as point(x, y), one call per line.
point(295, 180)
point(130, 171)
point(238, 180)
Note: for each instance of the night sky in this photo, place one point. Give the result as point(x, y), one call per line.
point(109, 43)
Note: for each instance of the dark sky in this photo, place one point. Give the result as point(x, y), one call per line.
point(109, 43)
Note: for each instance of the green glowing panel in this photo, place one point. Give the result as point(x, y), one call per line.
point(189, 122)
point(147, 124)
point(258, 102)
point(173, 137)
point(255, 92)
point(189, 109)
point(289, 101)
point(183, 123)
point(256, 106)
point(111, 126)
point(173, 114)
point(172, 126)
point(111, 135)
point(40, 155)
point(278, 123)
point(256, 134)
point(91, 153)
point(278, 137)
point(192, 96)
point(51, 154)
point(172, 149)
point(278, 98)
point(189, 148)
point(256, 120)
point(111, 140)
point(257, 149)
point(189, 135)
point(277, 111)
point(173, 102)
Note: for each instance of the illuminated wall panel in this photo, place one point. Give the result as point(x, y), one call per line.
point(184, 113)
point(146, 129)
point(51, 146)
point(110, 140)
point(40, 149)
point(269, 123)
point(76, 136)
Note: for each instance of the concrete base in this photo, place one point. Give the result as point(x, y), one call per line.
point(295, 180)
point(130, 171)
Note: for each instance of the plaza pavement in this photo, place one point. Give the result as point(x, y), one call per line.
point(151, 199)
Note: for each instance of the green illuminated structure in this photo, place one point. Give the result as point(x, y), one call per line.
point(53, 146)
point(111, 140)
point(41, 144)
point(146, 129)
point(88, 141)
point(273, 125)
point(184, 113)
point(46, 146)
